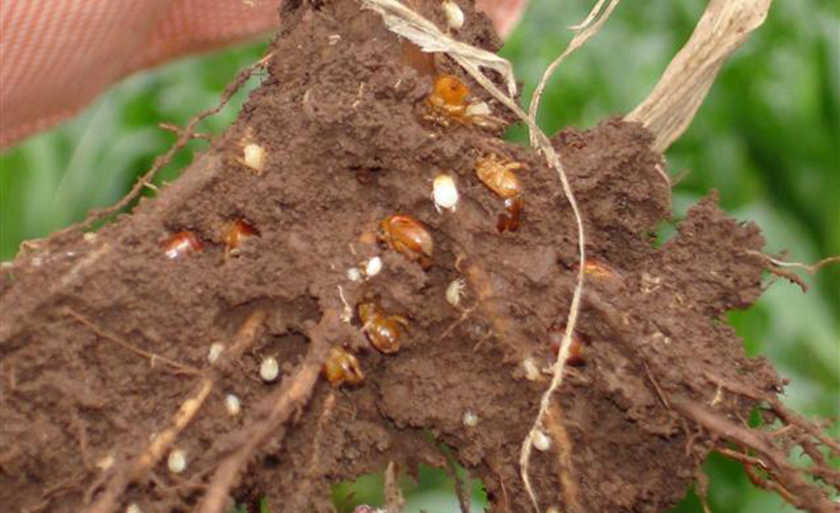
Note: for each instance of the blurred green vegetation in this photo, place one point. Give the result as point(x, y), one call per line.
point(767, 138)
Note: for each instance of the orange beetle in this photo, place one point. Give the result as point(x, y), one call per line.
point(408, 236)
point(238, 232)
point(449, 96)
point(341, 368)
point(382, 330)
point(598, 269)
point(181, 244)
point(575, 350)
point(499, 176)
point(509, 219)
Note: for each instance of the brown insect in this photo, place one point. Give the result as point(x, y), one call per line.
point(341, 368)
point(181, 244)
point(382, 330)
point(499, 175)
point(575, 350)
point(448, 102)
point(237, 233)
point(449, 97)
point(598, 269)
point(408, 236)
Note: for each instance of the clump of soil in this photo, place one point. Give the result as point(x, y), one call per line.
point(344, 123)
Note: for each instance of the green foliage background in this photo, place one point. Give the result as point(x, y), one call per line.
point(767, 138)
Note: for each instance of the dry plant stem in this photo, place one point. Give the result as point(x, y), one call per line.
point(186, 369)
point(144, 463)
point(185, 135)
point(583, 31)
point(426, 35)
point(803, 494)
point(723, 28)
point(292, 394)
point(810, 269)
point(394, 501)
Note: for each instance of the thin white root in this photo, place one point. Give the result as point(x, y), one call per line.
point(583, 32)
point(429, 38)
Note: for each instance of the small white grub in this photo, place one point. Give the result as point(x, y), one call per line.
point(455, 291)
point(445, 193)
point(254, 157)
point(215, 352)
point(532, 371)
point(373, 266)
point(177, 461)
point(334, 39)
point(478, 109)
point(133, 508)
point(233, 405)
point(89, 237)
point(541, 441)
point(454, 14)
point(269, 369)
point(353, 274)
point(106, 462)
point(470, 419)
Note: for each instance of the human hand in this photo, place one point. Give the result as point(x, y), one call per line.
point(57, 57)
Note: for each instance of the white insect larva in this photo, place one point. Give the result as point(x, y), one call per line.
point(353, 274)
point(532, 372)
point(254, 157)
point(133, 508)
point(455, 291)
point(480, 109)
point(177, 461)
point(269, 369)
point(106, 462)
point(233, 405)
point(454, 14)
point(541, 441)
point(374, 265)
point(215, 352)
point(445, 193)
point(470, 419)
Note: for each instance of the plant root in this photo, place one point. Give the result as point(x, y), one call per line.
point(293, 393)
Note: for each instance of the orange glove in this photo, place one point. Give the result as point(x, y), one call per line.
point(57, 55)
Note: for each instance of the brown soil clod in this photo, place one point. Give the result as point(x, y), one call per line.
point(342, 120)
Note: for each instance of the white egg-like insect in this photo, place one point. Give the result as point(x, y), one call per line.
point(455, 291)
point(454, 14)
point(354, 274)
point(479, 109)
point(373, 267)
point(269, 369)
point(445, 193)
point(541, 441)
point(470, 419)
point(133, 508)
point(532, 372)
point(233, 405)
point(254, 157)
point(177, 461)
point(216, 350)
